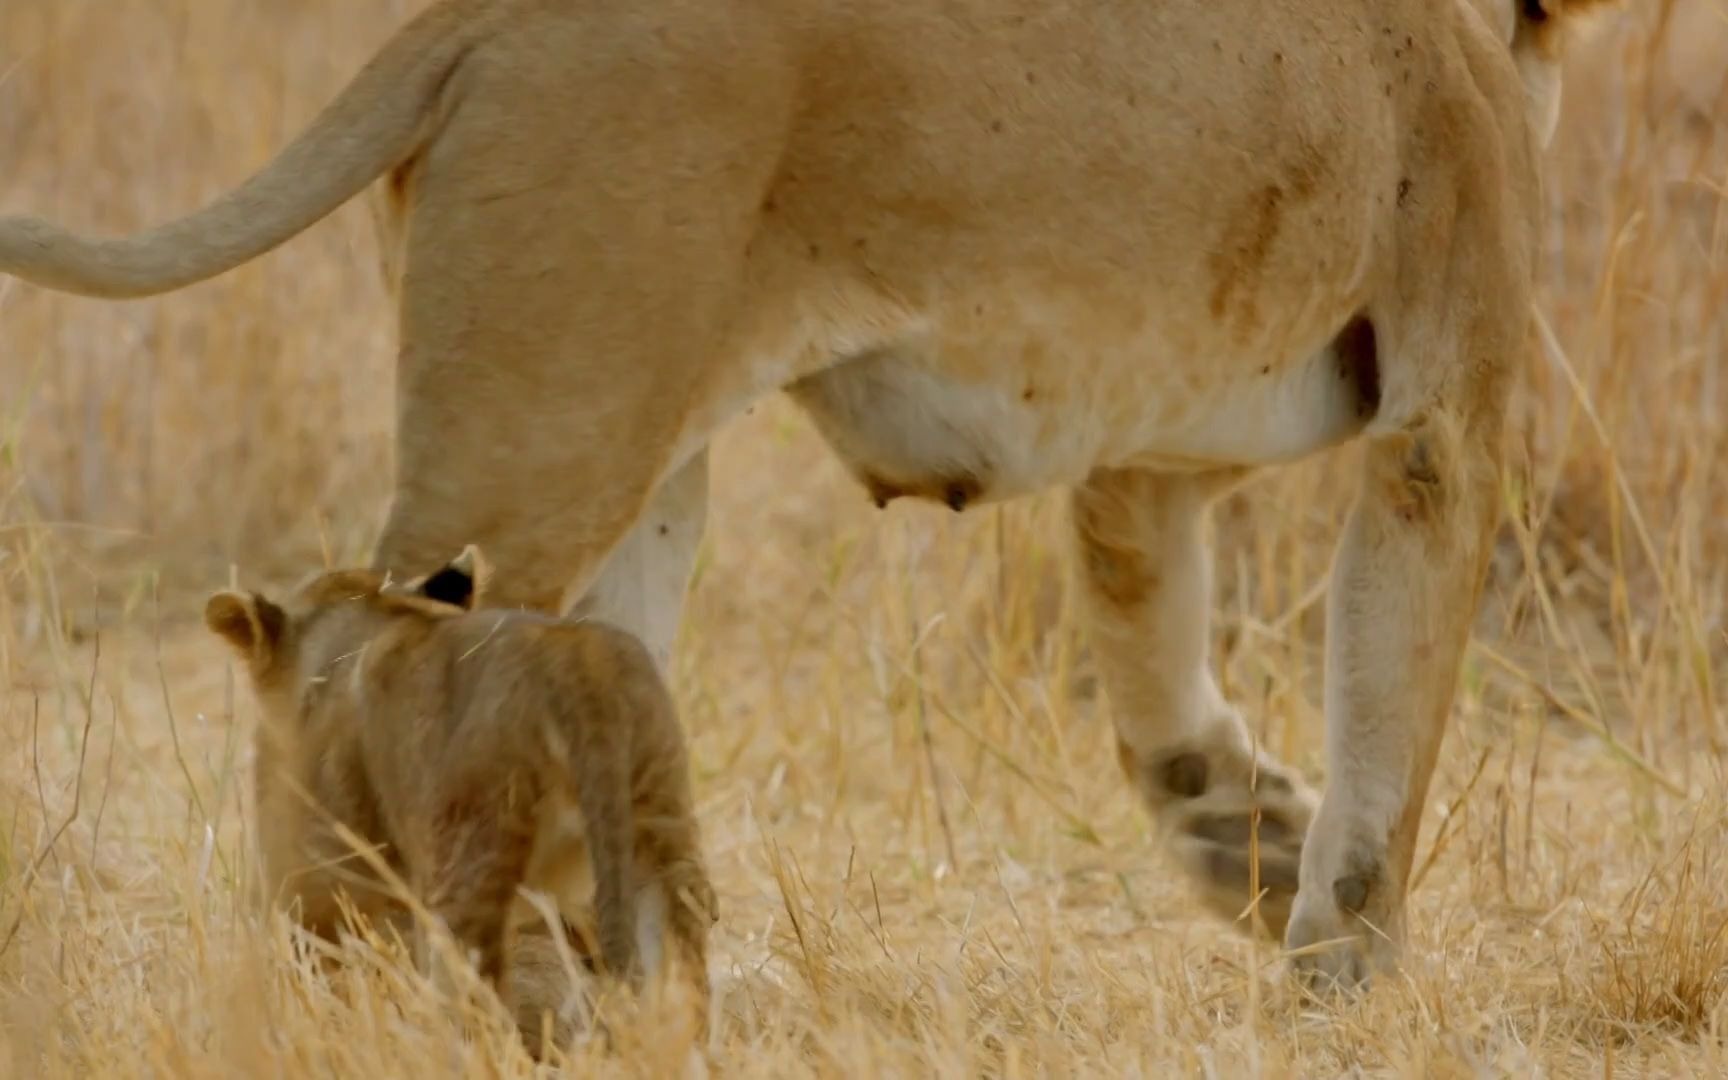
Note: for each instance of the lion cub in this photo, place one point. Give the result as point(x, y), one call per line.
point(480, 752)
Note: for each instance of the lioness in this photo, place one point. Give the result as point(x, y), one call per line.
point(481, 752)
point(1134, 247)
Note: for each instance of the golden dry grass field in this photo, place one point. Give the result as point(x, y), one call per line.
point(927, 860)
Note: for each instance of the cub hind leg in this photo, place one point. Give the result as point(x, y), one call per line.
point(481, 840)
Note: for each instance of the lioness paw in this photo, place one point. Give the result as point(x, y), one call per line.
point(1235, 825)
point(1346, 923)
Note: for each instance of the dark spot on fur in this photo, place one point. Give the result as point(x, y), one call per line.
point(1237, 264)
point(1351, 893)
point(996, 126)
point(958, 494)
point(1184, 775)
point(1028, 394)
point(1419, 464)
point(664, 530)
point(768, 206)
point(1403, 190)
point(1119, 575)
point(1277, 58)
point(1266, 369)
point(815, 251)
point(1414, 483)
point(450, 586)
point(1031, 78)
point(1239, 261)
point(881, 491)
point(401, 184)
point(1358, 350)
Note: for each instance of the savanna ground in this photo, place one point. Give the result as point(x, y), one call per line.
point(927, 860)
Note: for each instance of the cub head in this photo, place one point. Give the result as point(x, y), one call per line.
point(336, 611)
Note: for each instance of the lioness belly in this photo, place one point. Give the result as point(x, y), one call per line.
point(1099, 251)
point(916, 421)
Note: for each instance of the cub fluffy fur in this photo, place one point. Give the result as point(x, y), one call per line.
point(481, 752)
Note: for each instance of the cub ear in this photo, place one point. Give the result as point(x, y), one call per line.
point(461, 582)
point(250, 623)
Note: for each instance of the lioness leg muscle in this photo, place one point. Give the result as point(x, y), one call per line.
point(535, 287)
point(1147, 572)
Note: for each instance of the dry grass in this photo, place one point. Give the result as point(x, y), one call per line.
point(853, 680)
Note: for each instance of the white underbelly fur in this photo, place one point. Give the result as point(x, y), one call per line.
point(906, 427)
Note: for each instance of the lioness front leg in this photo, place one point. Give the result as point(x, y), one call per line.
point(641, 588)
point(1148, 581)
point(564, 328)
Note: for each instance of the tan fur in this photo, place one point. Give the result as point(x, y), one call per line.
point(482, 752)
point(991, 246)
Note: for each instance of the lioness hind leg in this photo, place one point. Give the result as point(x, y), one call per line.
point(1404, 588)
point(1414, 555)
point(1146, 569)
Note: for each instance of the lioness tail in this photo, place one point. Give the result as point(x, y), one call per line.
point(375, 124)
